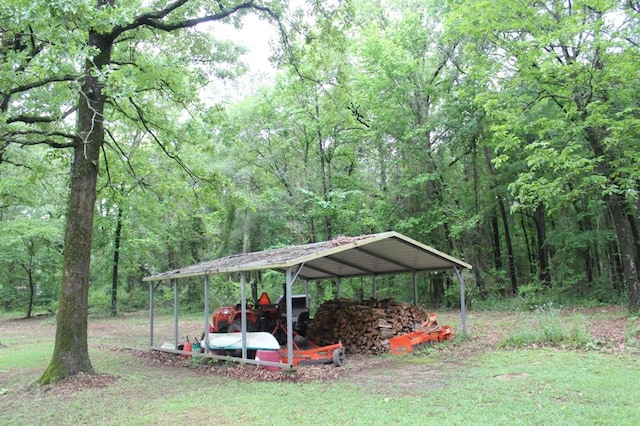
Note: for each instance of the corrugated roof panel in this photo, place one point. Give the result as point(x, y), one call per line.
point(385, 253)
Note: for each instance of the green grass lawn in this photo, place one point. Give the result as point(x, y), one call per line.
point(454, 386)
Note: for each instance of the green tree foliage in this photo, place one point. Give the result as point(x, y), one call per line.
point(30, 262)
point(88, 59)
point(505, 133)
point(31, 212)
point(297, 142)
point(403, 85)
point(562, 103)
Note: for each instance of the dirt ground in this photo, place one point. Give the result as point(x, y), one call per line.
point(384, 372)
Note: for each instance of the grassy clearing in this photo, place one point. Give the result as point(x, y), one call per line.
point(459, 384)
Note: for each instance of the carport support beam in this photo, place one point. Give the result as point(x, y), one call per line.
point(374, 289)
point(243, 314)
point(463, 305)
point(289, 289)
point(151, 307)
point(206, 313)
point(415, 289)
point(175, 313)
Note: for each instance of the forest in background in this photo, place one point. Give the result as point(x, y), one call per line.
point(505, 133)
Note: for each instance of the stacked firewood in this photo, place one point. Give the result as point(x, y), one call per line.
point(363, 327)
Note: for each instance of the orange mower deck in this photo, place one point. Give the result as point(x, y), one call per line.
point(316, 355)
point(406, 343)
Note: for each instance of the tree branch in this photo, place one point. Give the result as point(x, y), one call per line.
point(46, 140)
point(41, 83)
point(160, 144)
point(52, 143)
point(127, 161)
point(31, 119)
point(155, 19)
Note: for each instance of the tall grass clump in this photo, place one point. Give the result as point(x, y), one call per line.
point(545, 327)
point(632, 332)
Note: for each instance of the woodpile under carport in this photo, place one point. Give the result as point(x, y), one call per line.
point(363, 327)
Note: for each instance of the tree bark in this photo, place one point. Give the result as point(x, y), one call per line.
point(626, 245)
point(636, 238)
point(497, 253)
point(528, 243)
point(116, 262)
point(509, 244)
point(29, 270)
point(543, 256)
point(438, 289)
point(70, 353)
point(505, 225)
point(627, 255)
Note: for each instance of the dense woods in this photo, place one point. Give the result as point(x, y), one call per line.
point(504, 133)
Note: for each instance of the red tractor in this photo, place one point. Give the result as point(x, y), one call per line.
point(269, 317)
point(263, 316)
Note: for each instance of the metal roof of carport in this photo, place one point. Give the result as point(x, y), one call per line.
point(375, 254)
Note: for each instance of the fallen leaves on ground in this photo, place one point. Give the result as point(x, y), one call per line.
point(307, 373)
point(81, 381)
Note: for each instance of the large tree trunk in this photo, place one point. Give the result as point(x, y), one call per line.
point(70, 354)
point(528, 243)
point(505, 224)
point(116, 263)
point(507, 239)
point(627, 254)
point(497, 253)
point(636, 238)
point(29, 270)
point(590, 252)
point(626, 245)
point(543, 256)
point(32, 291)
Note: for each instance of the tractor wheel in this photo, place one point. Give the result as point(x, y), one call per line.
point(236, 326)
point(339, 358)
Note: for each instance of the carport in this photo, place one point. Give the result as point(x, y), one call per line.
point(373, 255)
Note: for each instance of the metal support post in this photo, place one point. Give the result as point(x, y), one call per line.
point(175, 314)
point(243, 314)
point(151, 297)
point(463, 305)
point(206, 313)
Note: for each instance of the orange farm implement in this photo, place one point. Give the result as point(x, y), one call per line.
point(429, 332)
point(314, 354)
